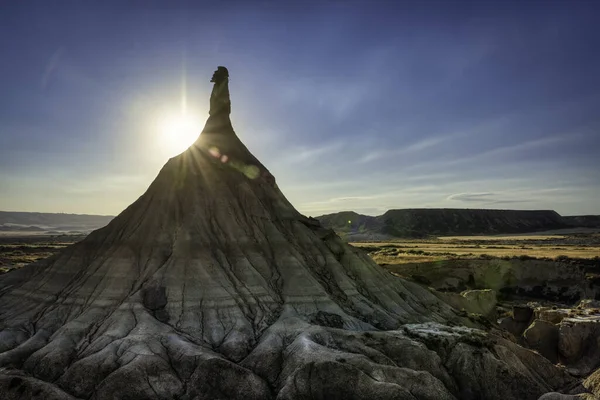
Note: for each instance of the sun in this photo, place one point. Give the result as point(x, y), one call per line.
point(178, 132)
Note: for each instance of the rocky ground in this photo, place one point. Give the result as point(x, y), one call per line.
point(548, 306)
point(543, 304)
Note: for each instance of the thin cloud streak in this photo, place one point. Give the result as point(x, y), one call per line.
point(307, 154)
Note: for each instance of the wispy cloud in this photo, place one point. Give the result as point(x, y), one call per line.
point(498, 152)
point(416, 147)
point(519, 195)
point(487, 198)
point(338, 98)
point(530, 145)
point(471, 196)
point(306, 154)
point(52, 66)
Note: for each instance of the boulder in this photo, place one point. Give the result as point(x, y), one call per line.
point(542, 336)
point(579, 344)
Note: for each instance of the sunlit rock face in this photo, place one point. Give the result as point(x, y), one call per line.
point(211, 285)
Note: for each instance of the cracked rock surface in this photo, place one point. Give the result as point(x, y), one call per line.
point(212, 286)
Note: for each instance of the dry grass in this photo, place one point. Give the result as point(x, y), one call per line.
point(538, 246)
point(503, 237)
point(21, 250)
point(405, 258)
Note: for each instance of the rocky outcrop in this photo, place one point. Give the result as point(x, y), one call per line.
point(552, 315)
point(566, 336)
point(592, 384)
point(579, 344)
point(473, 301)
point(587, 304)
point(542, 336)
point(518, 321)
point(211, 285)
point(589, 389)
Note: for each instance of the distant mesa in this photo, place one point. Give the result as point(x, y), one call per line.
point(20, 228)
point(211, 285)
point(11, 221)
point(423, 222)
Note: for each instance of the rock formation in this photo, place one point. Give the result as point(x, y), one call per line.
point(211, 285)
point(423, 222)
point(533, 278)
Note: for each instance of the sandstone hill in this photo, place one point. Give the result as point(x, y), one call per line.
point(421, 222)
point(212, 286)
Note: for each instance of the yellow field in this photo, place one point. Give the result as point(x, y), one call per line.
point(539, 246)
point(503, 237)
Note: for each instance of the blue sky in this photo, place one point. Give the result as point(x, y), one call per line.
point(357, 105)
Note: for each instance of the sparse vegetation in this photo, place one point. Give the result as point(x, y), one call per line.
point(16, 252)
point(561, 248)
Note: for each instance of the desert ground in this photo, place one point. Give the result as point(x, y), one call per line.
point(18, 249)
point(536, 290)
point(544, 246)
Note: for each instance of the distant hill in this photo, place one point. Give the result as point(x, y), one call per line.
point(422, 222)
point(57, 222)
point(586, 221)
point(412, 222)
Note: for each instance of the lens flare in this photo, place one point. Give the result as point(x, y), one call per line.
point(214, 151)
